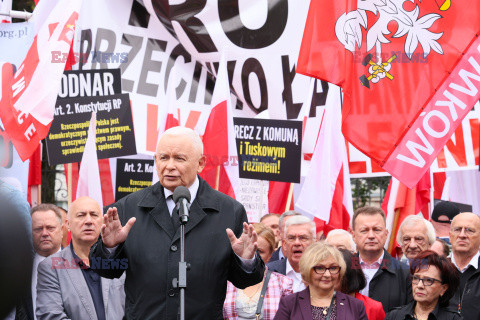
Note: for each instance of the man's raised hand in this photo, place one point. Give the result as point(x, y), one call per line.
point(245, 246)
point(112, 232)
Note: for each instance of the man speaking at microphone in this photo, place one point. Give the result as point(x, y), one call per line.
point(144, 228)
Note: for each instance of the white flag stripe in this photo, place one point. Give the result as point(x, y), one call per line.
point(89, 175)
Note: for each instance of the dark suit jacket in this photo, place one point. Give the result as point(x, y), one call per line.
point(391, 285)
point(153, 252)
point(297, 306)
point(279, 266)
point(275, 255)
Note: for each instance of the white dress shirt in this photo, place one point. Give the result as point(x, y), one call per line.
point(298, 284)
point(369, 271)
point(473, 262)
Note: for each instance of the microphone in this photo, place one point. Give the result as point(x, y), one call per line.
point(181, 196)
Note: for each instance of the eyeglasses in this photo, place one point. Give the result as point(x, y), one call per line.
point(302, 239)
point(426, 281)
point(468, 231)
point(322, 269)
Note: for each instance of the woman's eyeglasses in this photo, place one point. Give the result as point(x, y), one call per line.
point(426, 281)
point(322, 269)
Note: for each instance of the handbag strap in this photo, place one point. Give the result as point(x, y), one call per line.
point(262, 294)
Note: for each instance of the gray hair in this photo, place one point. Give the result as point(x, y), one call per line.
point(48, 207)
point(341, 232)
point(299, 219)
point(412, 220)
point(287, 214)
point(184, 131)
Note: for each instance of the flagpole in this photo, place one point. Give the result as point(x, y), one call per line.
point(289, 197)
point(217, 178)
point(392, 234)
point(24, 15)
point(69, 183)
point(432, 192)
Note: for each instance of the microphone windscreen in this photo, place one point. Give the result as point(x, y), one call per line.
point(181, 192)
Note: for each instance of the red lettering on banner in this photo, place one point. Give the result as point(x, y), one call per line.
point(475, 130)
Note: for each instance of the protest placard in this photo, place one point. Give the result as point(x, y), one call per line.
point(269, 149)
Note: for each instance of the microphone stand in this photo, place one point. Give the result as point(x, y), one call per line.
point(182, 265)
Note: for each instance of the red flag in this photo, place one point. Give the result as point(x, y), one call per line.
point(219, 143)
point(398, 62)
point(278, 193)
point(29, 93)
point(400, 202)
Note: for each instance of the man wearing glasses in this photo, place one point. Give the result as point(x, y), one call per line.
point(299, 234)
point(465, 240)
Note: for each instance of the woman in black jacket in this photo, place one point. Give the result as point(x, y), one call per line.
point(434, 282)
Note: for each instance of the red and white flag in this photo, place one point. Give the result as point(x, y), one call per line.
point(400, 202)
point(219, 143)
point(29, 93)
point(89, 184)
point(410, 72)
point(326, 192)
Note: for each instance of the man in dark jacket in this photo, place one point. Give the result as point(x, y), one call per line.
point(152, 246)
point(388, 280)
point(465, 240)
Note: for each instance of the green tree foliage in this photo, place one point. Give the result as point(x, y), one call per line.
point(367, 191)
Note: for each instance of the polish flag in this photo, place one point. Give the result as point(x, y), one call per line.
point(29, 93)
point(326, 192)
point(220, 148)
point(400, 202)
point(89, 174)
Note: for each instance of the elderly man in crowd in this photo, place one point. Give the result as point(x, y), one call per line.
point(465, 240)
point(388, 280)
point(67, 286)
point(299, 233)
point(415, 235)
point(143, 227)
point(280, 253)
point(341, 239)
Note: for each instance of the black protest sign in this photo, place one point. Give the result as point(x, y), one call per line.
point(68, 133)
point(269, 149)
point(132, 175)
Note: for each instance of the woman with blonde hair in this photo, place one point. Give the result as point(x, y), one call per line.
point(259, 301)
point(322, 268)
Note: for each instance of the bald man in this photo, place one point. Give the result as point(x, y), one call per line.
point(67, 286)
point(144, 228)
point(465, 240)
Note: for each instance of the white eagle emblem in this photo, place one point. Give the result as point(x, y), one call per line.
point(348, 30)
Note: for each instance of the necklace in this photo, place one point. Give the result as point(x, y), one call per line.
point(251, 296)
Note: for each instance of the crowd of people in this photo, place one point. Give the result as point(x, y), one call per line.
point(124, 263)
